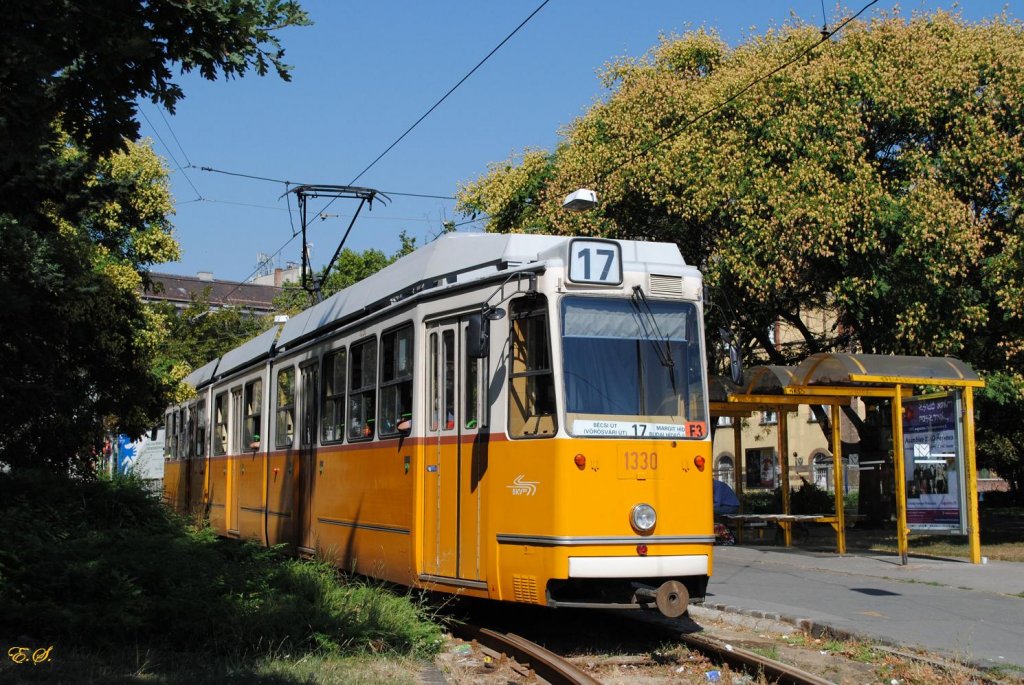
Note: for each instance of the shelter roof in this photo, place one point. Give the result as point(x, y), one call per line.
point(880, 369)
point(827, 378)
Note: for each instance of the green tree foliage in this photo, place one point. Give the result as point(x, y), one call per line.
point(83, 211)
point(876, 183)
point(200, 333)
point(77, 342)
point(350, 268)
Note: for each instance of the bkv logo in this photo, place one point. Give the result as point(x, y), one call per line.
point(523, 487)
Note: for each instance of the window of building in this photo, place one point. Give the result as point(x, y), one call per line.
point(396, 381)
point(725, 421)
point(769, 418)
point(531, 388)
point(253, 412)
point(724, 469)
point(220, 424)
point(333, 406)
point(362, 379)
point(284, 433)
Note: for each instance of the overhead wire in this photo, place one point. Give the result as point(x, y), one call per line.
point(180, 168)
point(450, 91)
point(282, 181)
point(184, 154)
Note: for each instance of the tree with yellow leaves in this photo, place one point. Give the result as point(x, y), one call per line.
point(878, 179)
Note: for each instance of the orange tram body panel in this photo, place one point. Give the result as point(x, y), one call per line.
point(520, 418)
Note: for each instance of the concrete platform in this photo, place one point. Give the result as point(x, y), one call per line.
point(967, 611)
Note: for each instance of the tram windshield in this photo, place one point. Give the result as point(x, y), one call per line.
point(633, 368)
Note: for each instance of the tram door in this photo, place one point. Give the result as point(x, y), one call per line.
point(307, 457)
point(452, 504)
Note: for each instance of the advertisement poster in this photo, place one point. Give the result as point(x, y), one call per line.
point(143, 457)
point(933, 457)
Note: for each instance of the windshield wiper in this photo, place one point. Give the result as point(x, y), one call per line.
point(651, 329)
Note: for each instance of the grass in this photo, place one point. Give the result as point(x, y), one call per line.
point(767, 652)
point(137, 664)
point(996, 545)
point(119, 586)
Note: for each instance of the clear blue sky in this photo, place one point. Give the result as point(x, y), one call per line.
point(367, 70)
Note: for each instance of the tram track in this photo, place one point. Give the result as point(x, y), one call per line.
point(553, 668)
point(533, 659)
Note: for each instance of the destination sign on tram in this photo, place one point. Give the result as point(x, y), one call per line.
point(628, 429)
point(595, 261)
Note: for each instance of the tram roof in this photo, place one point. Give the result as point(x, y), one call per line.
point(454, 259)
point(248, 352)
point(202, 375)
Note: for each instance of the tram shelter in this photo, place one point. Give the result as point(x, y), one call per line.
point(832, 379)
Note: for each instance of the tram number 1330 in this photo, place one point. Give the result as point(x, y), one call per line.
point(641, 461)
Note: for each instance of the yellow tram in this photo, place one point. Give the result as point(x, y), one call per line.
point(517, 417)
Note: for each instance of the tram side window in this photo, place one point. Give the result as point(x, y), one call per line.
point(284, 435)
point(396, 381)
point(362, 378)
point(188, 444)
point(181, 441)
point(220, 424)
point(168, 428)
point(200, 449)
point(531, 388)
point(471, 412)
point(434, 399)
point(332, 419)
point(253, 409)
point(172, 433)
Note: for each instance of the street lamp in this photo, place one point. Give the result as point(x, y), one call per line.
point(580, 200)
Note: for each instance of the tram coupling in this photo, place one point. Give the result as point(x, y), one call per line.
point(671, 598)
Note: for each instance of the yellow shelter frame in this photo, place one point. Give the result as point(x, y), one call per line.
point(833, 379)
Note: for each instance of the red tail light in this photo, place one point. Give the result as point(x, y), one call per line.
point(698, 461)
point(581, 461)
point(641, 550)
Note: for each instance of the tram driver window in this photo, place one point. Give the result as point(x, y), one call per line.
point(253, 408)
point(362, 378)
point(396, 381)
point(284, 435)
point(531, 401)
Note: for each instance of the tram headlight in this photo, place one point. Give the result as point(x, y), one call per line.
point(643, 517)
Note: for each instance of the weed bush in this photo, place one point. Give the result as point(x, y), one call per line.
point(808, 499)
point(101, 563)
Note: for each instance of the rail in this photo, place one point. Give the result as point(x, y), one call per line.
point(546, 664)
point(751, 662)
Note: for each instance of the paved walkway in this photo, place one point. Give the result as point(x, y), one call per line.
point(968, 611)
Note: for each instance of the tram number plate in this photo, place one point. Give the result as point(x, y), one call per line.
point(638, 464)
point(640, 461)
